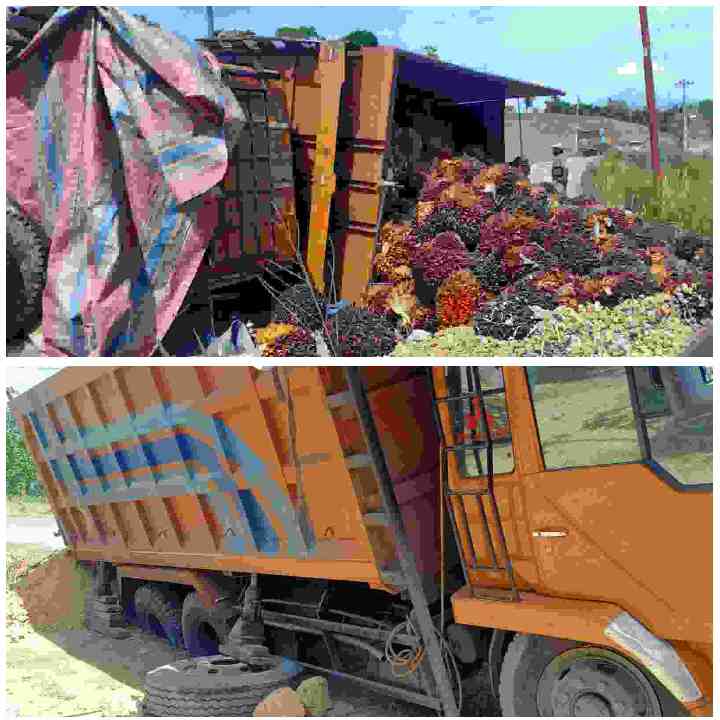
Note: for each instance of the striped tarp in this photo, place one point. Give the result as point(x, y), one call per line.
point(117, 133)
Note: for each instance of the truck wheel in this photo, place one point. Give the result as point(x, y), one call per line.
point(546, 677)
point(26, 261)
point(214, 686)
point(202, 634)
point(158, 610)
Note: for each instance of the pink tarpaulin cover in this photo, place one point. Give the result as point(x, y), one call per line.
point(117, 133)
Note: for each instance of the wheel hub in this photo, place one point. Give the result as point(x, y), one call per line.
point(591, 705)
point(595, 682)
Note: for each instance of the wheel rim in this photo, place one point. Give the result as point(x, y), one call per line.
point(594, 682)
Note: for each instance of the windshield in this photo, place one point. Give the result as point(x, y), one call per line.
point(589, 416)
point(673, 407)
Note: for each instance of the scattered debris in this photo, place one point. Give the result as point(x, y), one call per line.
point(314, 695)
point(283, 702)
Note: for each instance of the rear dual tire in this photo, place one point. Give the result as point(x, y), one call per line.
point(202, 633)
point(158, 610)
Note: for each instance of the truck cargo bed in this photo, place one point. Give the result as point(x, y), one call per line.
point(236, 469)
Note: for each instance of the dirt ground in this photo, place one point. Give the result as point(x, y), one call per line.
point(56, 667)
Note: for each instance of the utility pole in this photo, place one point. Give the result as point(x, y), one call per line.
point(210, 21)
point(577, 124)
point(519, 113)
point(650, 92)
point(684, 84)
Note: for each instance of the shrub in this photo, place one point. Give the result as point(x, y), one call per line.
point(682, 196)
point(20, 477)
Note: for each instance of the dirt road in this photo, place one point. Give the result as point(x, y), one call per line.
point(34, 531)
point(109, 677)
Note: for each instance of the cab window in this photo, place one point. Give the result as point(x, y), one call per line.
point(675, 421)
point(472, 387)
point(584, 416)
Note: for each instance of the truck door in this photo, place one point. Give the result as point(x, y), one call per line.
point(620, 503)
point(485, 504)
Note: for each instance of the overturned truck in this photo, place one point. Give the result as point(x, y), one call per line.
point(147, 181)
point(405, 527)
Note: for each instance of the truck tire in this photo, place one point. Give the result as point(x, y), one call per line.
point(158, 610)
point(202, 633)
point(104, 615)
point(27, 252)
point(214, 686)
point(543, 676)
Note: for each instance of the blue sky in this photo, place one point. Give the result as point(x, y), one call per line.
point(595, 52)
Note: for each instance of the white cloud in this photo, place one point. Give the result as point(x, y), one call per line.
point(386, 33)
point(632, 68)
point(629, 68)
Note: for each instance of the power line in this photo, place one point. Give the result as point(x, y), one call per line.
point(684, 84)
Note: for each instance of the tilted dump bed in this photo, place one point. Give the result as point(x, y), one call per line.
point(236, 469)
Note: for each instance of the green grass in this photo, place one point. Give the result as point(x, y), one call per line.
point(21, 558)
point(683, 196)
point(27, 506)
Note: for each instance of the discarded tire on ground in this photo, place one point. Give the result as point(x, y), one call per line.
point(202, 634)
point(158, 610)
point(26, 268)
point(214, 686)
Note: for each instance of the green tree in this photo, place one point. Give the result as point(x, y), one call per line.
point(431, 51)
point(361, 38)
point(300, 32)
point(560, 106)
point(705, 108)
point(20, 475)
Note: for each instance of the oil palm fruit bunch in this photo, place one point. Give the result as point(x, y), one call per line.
point(357, 332)
point(300, 305)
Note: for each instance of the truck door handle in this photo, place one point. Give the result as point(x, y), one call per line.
point(549, 533)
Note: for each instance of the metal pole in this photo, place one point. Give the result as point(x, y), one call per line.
point(210, 21)
point(405, 554)
point(520, 127)
point(577, 124)
point(684, 84)
point(650, 93)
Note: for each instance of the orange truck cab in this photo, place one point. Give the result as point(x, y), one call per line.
point(406, 527)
